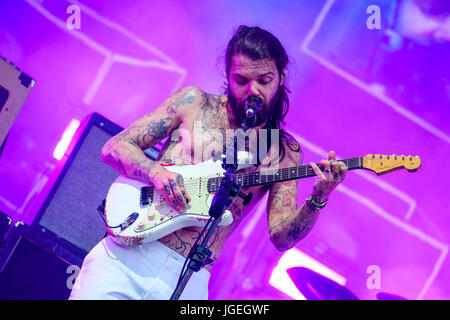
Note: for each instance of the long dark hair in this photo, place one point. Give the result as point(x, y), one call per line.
point(257, 43)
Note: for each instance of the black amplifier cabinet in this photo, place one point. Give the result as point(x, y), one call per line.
point(34, 265)
point(78, 186)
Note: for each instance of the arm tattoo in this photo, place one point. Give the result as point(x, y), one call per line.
point(288, 225)
point(276, 229)
point(186, 98)
point(155, 131)
point(301, 226)
point(284, 197)
point(291, 229)
point(145, 136)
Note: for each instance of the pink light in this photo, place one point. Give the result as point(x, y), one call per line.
point(295, 258)
point(66, 137)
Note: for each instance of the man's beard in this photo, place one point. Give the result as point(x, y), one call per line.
point(264, 114)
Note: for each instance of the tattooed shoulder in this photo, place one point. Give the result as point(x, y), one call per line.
point(292, 144)
point(293, 149)
point(185, 96)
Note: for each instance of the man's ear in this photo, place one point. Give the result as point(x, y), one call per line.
point(282, 78)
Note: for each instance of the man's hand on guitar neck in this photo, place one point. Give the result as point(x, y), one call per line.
point(328, 179)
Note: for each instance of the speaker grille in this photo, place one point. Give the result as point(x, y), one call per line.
point(31, 269)
point(71, 209)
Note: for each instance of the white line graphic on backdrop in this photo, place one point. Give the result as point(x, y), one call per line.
point(403, 112)
point(363, 86)
point(111, 57)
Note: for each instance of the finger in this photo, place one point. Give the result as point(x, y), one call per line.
point(344, 170)
point(336, 176)
point(341, 169)
point(332, 155)
point(335, 166)
point(177, 195)
point(180, 183)
point(335, 170)
point(180, 196)
point(317, 170)
point(169, 196)
point(326, 165)
point(186, 199)
point(340, 166)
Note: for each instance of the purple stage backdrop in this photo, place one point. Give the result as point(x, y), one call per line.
point(365, 77)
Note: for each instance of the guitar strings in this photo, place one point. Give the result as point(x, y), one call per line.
point(269, 176)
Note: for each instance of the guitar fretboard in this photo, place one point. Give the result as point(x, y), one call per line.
point(283, 174)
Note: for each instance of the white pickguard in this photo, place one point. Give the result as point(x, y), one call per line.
point(159, 219)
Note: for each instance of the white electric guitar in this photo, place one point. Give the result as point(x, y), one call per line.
point(135, 213)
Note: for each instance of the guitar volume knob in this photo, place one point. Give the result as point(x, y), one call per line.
point(141, 225)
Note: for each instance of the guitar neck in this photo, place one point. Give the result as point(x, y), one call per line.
point(284, 174)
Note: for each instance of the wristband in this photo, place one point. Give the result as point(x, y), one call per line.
point(314, 205)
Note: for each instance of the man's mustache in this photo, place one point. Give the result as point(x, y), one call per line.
point(264, 114)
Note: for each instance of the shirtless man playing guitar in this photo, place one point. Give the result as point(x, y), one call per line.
point(255, 66)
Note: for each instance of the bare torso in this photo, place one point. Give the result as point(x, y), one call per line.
point(206, 123)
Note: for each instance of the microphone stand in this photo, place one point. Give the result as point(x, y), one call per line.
point(200, 254)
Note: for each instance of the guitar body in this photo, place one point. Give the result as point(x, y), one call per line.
point(157, 219)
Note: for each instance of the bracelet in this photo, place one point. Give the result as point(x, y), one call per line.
point(314, 205)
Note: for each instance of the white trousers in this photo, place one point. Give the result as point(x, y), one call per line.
point(149, 271)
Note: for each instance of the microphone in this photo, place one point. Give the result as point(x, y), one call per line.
point(252, 106)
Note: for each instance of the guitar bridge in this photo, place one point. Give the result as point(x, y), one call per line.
point(146, 196)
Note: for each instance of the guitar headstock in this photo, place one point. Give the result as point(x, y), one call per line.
point(381, 163)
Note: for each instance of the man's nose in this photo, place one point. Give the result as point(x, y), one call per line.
point(252, 88)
